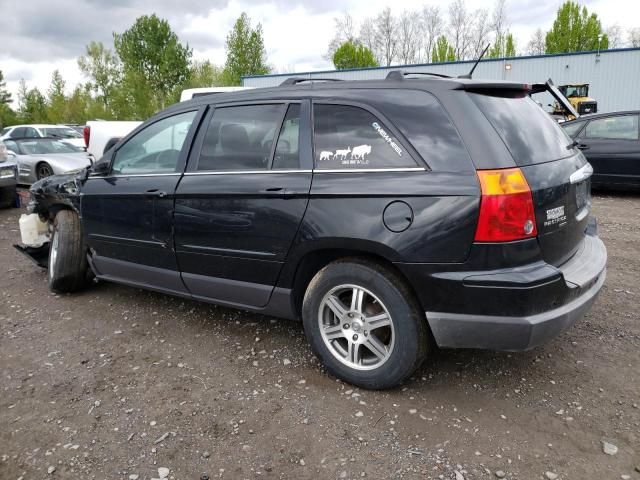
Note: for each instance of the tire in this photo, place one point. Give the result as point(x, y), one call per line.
point(8, 197)
point(43, 170)
point(67, 254)
point(401, 341)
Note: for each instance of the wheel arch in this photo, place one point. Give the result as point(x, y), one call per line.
point(307, 264)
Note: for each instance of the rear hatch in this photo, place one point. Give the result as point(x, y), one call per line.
point(557, 173)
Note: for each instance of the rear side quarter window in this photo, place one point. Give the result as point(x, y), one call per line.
point(350, 137)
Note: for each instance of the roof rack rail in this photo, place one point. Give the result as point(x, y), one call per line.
point(296, 80)
point(400, 74)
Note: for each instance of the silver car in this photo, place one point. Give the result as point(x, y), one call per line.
point(41, 157)
point(8, 174)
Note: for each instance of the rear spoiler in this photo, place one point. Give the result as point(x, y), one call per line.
point(548, 86)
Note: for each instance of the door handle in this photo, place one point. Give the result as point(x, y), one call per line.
point(582, 146)
point(280, 191)
point(154, 192)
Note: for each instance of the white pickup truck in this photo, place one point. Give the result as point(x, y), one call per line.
point(101, 135)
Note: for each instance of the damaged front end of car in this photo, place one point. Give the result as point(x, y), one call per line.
point(48, 197)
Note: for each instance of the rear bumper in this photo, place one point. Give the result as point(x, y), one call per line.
point(510, 333)
point(510, 309)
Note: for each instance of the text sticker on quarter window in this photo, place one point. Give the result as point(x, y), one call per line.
point(387, 138)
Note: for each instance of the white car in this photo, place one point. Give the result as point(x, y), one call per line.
point(61, 132)
point(190, 93)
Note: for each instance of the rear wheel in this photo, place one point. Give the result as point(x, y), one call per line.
point(364, 324)
point(43, 170)
point(67, 254)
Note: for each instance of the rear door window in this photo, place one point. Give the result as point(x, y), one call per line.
point(287, 155)
point(530, 134)
point(623, 127)
point(348, 137)
point(241, 138)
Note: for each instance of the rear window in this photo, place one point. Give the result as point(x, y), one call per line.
point(529, 133)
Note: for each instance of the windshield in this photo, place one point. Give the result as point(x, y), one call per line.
point(576, 91)
point(530, 134)
point(46, 146)
point(60, 132)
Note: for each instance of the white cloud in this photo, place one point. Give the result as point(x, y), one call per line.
point(42, 36)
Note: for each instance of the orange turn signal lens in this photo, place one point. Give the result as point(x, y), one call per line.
point(502, 182)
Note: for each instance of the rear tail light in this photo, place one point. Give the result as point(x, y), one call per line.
point(506, 207)
point(87, 135)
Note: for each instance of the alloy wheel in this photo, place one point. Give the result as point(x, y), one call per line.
point(356, 327)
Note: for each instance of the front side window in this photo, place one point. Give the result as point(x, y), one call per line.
point(156, 149)
point(240, 138)
point(623, 127)
point(572, 128)
point(351, 137)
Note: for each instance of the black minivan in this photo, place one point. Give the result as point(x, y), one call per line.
point(390, 215)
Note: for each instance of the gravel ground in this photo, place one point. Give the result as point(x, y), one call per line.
point(119, 383)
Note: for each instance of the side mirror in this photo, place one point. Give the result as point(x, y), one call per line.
point(101, 167)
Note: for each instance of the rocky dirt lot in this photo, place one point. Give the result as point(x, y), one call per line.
point(119, 383)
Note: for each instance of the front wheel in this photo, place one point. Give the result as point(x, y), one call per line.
point(364, 324)
point(43, 170)
point(67, 254)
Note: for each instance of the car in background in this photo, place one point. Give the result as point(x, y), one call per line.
point(38, 158)
point(76, 127)
point(8, 178)
point(611, 143)
point(61, 132)
point(101, 135)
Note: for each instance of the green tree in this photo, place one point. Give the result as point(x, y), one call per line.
point(7, 115)
point(442, 51)
point(204, 74)
point(503, 46)
point(5, 96)
point(152, 53)
point(510, 47)
point(353, 55)
point(32, 104)
point(103, 69)
point(56, 100)
point(575, 30)
point(246, 54)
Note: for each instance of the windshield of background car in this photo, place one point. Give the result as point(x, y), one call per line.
point(529, 133)
point(46, 146)
point(60, 132)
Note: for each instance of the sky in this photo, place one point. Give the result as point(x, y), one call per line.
point(39, 36)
